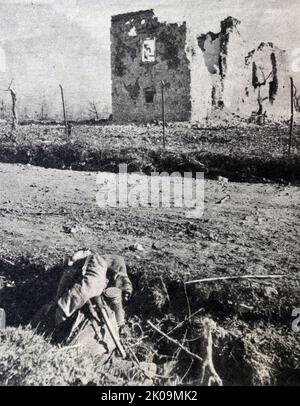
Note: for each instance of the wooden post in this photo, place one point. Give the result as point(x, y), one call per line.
point(292, 115)
point(64, 110)
point(2, 319)
point(163, 112)
point(2, 312)
point(13, 95)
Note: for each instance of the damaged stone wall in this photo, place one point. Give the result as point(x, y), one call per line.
point(203, 73)
point(267, 91)
point(210, 45)
point(222, 53)
point(144, 52)
point(250, 84)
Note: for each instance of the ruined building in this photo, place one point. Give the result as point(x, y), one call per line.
point(201, 72)
point(143, 53)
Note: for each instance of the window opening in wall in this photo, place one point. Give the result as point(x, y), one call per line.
point(148, 50)
point(149, 94)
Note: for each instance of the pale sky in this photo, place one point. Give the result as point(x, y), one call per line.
point(262, 20)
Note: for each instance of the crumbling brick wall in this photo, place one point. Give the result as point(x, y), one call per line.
point(144, 52)
point(202, 72)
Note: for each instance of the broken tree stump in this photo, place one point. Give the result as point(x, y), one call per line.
point(209, 375)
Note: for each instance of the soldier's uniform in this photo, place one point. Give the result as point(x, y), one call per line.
point(89, 278)
point(68, 320)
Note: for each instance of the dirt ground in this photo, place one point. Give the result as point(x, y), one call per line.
point(255, 230)
point(47, 213)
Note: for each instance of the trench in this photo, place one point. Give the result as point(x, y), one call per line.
point(251, 347)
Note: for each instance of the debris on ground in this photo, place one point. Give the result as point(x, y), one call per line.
point(136, 247)
point(158, 245)
point(223, 200)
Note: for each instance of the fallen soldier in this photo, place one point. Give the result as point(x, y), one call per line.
point(87, 310)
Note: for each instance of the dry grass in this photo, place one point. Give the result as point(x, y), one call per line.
point(244, 152)
point(28, 359)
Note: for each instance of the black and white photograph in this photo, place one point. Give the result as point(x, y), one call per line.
point(149, 195)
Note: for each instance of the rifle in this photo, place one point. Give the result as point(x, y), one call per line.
point(107, 322)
